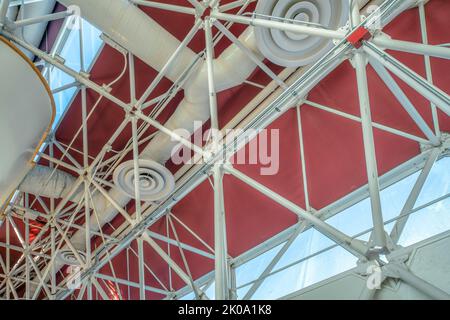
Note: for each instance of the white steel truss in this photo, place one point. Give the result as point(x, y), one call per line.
point(36, 266)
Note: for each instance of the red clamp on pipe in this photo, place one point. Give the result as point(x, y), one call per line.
point(358, 36)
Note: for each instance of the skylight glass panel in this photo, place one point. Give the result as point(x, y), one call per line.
point(437, 183)
point(70, 52)
point(306, 244)
point(306, 273)
point(425, 223)
point(312, 257)
point(254, 268)
point(354, 219)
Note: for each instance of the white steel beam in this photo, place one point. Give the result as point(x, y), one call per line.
point(386, 180)
point(99, 289)
point(421, 85)
point(182, 245)
point(296, 28)
point(172, 59)
point(412, 47)
point(40, 19)
point(4, 6)
point(130, 283)
point(127, 107)
point(404, 101)
point(180, 272)
point(427, 60)
point(414, 194)
point(220, 231)
point(374, 124)
point(249, 54)
point(356, 246)
point(401, 272)
point(149, 270)
point(87, 210)
point(165, 6)
point(222, 272)
point(359, 59)
point(274, 262)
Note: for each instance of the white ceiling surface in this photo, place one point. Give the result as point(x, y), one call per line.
point(25, 114)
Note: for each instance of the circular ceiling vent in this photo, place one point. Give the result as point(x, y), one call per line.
point(155, 181)
point(66, 256)
point(291, 49)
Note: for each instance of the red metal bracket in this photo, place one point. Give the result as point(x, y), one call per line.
point(358, 36)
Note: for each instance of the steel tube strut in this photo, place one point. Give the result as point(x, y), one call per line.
point(357, 246)
point(262, 119)
point(408, 277)
point(421, 85)
point(379, 235)
point(220, 234)
point(301, 29)
point(414, 194)
point(404, 101)
point(412, 47)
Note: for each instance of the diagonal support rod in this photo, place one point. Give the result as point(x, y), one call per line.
point(412, 198)
point(415, 81)
point(379, 234)
point(180, 272)
point(404, 101)
point(220, 235)
point(353, 245)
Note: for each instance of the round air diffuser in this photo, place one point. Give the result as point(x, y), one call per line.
point(291, 49)
point(66, 256)
point(155, 181)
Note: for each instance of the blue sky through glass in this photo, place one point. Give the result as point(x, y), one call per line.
point(422, 224)
point(71, 54)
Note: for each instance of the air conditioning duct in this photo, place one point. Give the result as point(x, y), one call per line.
point(292, 49)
